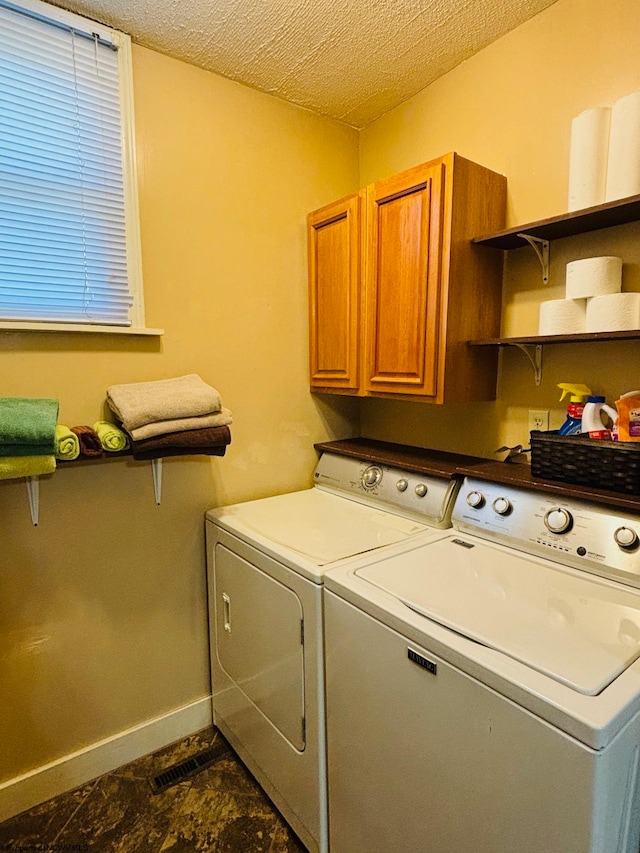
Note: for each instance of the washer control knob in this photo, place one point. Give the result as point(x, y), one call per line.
point(371, 477)
point(558, 520)
point(401, 485)
point(421, 490)
point(475, 499)
point(626, 537)
point(502, 506)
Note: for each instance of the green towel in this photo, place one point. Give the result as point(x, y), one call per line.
point(67, 443)
point(12, 467)
point(27, 426)
point(111, 437)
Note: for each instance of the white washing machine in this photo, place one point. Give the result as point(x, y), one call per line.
point(266, 561)
point(483, 688)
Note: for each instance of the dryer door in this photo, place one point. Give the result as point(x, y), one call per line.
point(259, 641)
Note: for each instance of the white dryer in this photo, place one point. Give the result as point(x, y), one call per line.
point(266, 561)
point(483, 688)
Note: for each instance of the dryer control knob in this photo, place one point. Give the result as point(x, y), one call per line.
point(401, 485)
point(502, 506)
point(475, 499)
point(371, 477)
point(421, 490)
point(558, 520)
point(626, 537)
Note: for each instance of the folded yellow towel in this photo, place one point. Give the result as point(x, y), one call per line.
point(67, 444)
point(217, 419)
point(140, 403)
point(111, 437)
point(12, 467)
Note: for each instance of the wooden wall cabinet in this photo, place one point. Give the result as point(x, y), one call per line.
point(334, 245)
point(397, 288)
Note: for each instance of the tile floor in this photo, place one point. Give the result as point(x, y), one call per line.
point(221, 809)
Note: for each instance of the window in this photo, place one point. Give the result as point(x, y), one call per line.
point(69, 235)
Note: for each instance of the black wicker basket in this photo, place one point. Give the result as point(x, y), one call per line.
point(584, 461)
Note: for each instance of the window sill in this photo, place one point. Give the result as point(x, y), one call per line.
point(18, 326)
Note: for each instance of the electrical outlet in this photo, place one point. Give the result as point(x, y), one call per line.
point(538, 419)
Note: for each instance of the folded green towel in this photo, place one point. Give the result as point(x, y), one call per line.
point(67, 443)
point(27, 426)
point(112, 437)
point(27, 449)
point(12, 467)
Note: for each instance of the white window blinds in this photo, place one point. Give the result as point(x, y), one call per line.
point(63, 235)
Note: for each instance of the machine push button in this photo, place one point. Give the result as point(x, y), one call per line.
point(558, 520)
point(475, 499)
point(626, 538)
point(371, 476)
point(502, 506)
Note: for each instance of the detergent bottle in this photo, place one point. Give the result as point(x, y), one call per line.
point(628, 424)
point(579, 393)
point(592, 413)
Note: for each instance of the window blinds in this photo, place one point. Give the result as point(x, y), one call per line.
point(63, 243)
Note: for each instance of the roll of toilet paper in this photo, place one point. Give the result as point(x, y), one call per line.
point(615, 312)
point(593, 277)
point(623, 168)
point(562, 317)
point(588, 158)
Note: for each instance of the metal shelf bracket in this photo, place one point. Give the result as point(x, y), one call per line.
point(33, 491)
point(541, 248)
point(156, 470)
point(535, 359)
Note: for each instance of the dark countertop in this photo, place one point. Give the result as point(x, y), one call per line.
point(440, 463)
point(417, 459)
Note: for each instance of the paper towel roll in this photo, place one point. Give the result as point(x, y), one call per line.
point(615, 312)
point(593, 277)
point(588, 158)
point(562, 317)
point(623, 169)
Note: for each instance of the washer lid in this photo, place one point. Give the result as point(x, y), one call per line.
point(320, 526)
point(580, 631)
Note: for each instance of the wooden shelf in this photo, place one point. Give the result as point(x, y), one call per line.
point(583, 338)
point(601, 216)
point(420, 460)
point(441, 463)
point(107, 456)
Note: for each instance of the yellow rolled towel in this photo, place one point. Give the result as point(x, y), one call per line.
point(67, 444)
point(111, 437)
point(12, 467)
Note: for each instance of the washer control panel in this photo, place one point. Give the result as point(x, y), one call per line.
point(423, 496)
point(598, 539)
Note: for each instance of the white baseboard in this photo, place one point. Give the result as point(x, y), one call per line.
point(66, 773)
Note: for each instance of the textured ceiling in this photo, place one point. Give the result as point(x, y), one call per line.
point(352, 60)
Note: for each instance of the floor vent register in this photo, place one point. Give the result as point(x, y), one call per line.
point(189, 767)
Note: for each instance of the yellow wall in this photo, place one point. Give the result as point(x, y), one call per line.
point(103, 606)
point(510, 108)
point(102, 616)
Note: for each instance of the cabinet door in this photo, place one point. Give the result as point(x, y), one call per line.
point(404, 225)
point(334, 241)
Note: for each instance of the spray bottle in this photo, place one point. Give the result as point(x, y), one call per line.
point(579, 393)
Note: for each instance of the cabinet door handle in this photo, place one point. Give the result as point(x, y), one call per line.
point(226, 607)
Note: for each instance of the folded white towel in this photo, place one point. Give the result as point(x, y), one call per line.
point(140, 403)
point(221, 418)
